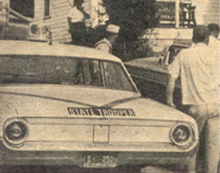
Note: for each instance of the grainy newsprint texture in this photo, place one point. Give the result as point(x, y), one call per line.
point(96, 86)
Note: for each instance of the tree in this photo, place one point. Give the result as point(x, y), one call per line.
point(133, 16)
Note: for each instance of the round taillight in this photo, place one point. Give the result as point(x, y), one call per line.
point(44, 29)
point(15, 132)
point(34, 29)
point(182, 135)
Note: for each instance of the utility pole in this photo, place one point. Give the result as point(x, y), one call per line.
point(177, 13)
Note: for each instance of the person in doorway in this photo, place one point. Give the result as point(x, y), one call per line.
point(198, 68)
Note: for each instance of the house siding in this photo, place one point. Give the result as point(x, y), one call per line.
point(57, 20)
point(213, 12)
point(207, 11)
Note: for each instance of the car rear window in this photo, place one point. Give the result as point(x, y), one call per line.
point(63, 70)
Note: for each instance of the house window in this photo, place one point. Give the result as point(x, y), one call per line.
point(24, 7)
point(46, 8)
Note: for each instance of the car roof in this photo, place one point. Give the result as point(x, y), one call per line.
point(183, 43)
point(44, 49)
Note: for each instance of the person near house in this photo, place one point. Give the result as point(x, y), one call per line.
point(106, 43)
point(76, 24)
point(96, 20)
point(198, 68)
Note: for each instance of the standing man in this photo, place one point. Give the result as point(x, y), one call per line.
point(198, 68)
point(76, 24)
point(111, 35)
point(212, 125)
point(213, 34)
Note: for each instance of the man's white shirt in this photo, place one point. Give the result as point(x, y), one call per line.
point(198, 68)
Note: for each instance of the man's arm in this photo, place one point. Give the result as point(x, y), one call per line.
point(169, 91)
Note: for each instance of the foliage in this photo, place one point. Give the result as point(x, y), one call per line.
point(133, 16)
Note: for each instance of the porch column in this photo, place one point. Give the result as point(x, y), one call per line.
point(177, 9)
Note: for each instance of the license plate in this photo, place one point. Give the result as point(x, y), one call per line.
point(99, 161)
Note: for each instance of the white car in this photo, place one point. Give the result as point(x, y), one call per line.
point(69, 105)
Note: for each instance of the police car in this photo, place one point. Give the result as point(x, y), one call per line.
point(70, 105)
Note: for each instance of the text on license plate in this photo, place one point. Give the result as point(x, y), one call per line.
point(99, 161)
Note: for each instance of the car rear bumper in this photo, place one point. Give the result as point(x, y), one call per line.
point(76, 158)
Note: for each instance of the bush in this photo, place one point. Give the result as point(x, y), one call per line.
point(133, 16)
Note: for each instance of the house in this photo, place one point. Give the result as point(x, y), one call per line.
point(53, 13)
point(205, 12)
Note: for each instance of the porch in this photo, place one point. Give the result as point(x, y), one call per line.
point(175, 13)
